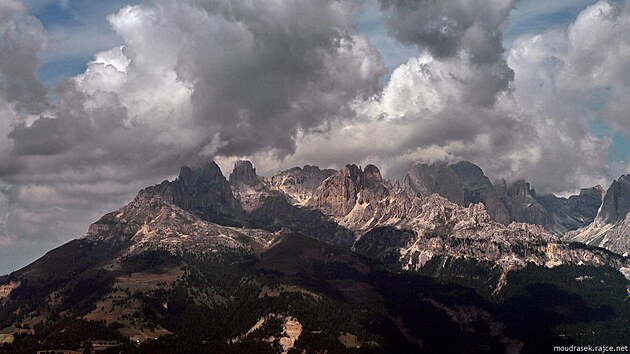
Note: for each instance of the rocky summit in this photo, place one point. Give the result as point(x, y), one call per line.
point(316, 260)
point(616, 203)
point(464, 183)
point(428, 227)
point(244, 173)
point(299, 183)
point(202, 190)
point(611, 227)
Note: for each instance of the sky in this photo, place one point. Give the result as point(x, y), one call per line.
point(99, 99)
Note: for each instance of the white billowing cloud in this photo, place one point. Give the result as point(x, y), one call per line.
point(457, 32)
point(573, 76)
point(426, 85)
point(599, 56)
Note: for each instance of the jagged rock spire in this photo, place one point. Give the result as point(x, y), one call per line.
point(244, 173)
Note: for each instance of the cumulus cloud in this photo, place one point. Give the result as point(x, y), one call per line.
point(597, 59)
point(455, 32)
point(569, 78)
point(452, 102)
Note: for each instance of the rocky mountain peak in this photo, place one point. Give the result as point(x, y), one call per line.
point(247, 187)
point(372, 174)
point(471, 173)
point(463, 183)
point(587, 202)
point(299, 183)
point(597, 192)
point(244, 173)
point(207, 173)
point(611, 227)
point(352, 171)
point(310, 169)
point(339, 193)
point(616, 202)
point(168, 254)
point(201, 189)
point(520, 191)
point(425, 179)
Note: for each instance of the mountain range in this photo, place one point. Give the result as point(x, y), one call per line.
point(319, 260)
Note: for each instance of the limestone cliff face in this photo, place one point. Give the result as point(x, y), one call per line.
point(464, 183)
point(396, 227)
point(151, 222)
point(616, 204)
point(437, 227)
point(172, 252)
point(425, 179)
point(247, 187)
point(353, 207)
point(587, 203)
point(244, 173)
point(338, 194)
point(201, 189)
point(522, 204)
point(611, 227)
point(577, 211)
point(299, 183)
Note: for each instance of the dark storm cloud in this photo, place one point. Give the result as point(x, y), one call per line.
point(74, 124)
point(264, 70)
point(21, 38)
point(448, 29)
point(46, 136)
point(445, 27)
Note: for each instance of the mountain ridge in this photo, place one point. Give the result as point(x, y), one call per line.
point(464, 183)
point(267, 253)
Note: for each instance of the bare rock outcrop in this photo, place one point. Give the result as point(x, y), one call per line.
point(299, 183)
point(611, 227)
point(339, 194)
point(464, 183)
point(202, 190)
point(396, 227)
point(244, 173)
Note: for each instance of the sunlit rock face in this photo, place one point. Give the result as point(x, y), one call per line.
point(464, 183)
point(202, 190)
point(299, 183)
point(398, 227)
point(611, 227)
point(244, 173)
